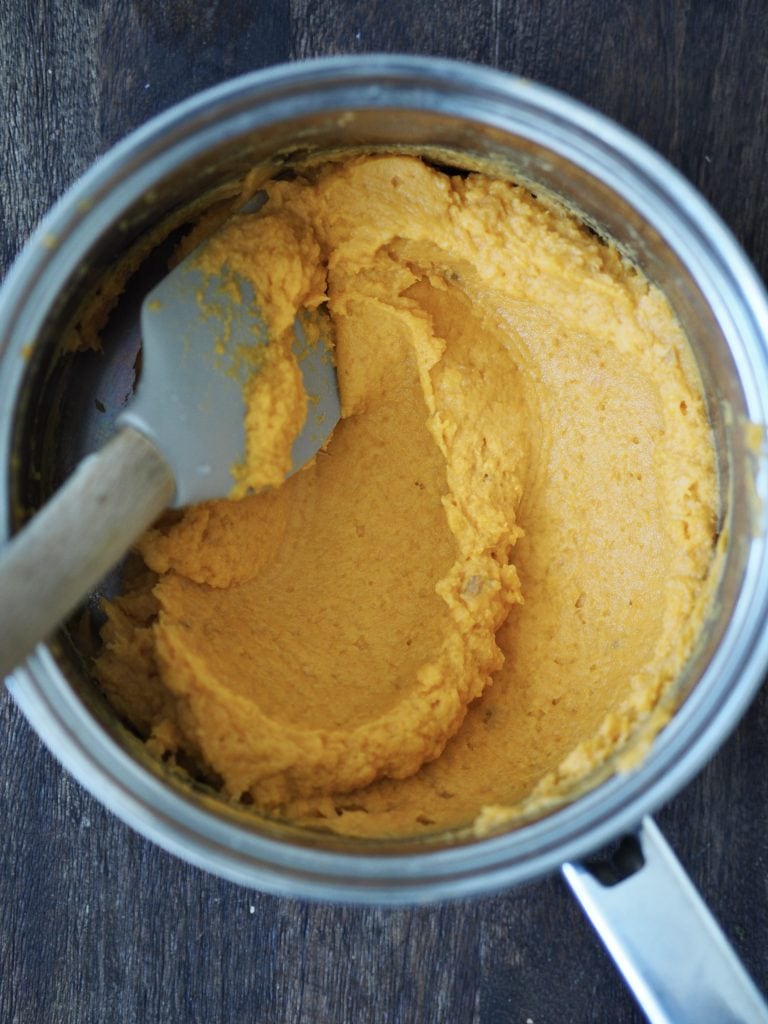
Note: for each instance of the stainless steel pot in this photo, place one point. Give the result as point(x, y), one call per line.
point(638, 899)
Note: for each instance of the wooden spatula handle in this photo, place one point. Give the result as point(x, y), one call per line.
point(71, 544)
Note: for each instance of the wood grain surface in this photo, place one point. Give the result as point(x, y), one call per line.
point(98, 925)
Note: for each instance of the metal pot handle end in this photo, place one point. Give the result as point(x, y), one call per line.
point(662, 936)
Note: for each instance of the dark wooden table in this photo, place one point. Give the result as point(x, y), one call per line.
point(97, 925)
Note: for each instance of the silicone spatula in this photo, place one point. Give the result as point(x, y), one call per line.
point(176, 444)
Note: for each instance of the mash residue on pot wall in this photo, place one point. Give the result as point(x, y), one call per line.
point(498, 564)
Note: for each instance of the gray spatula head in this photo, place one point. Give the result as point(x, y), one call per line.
point(190, 397)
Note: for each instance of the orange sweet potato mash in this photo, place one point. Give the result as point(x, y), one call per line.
point(499, 562)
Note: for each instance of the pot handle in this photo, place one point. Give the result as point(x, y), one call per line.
point(662, 936)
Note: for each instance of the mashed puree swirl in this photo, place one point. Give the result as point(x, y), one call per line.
point(495, 567)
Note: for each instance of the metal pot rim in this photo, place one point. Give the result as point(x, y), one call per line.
point(663, 198)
